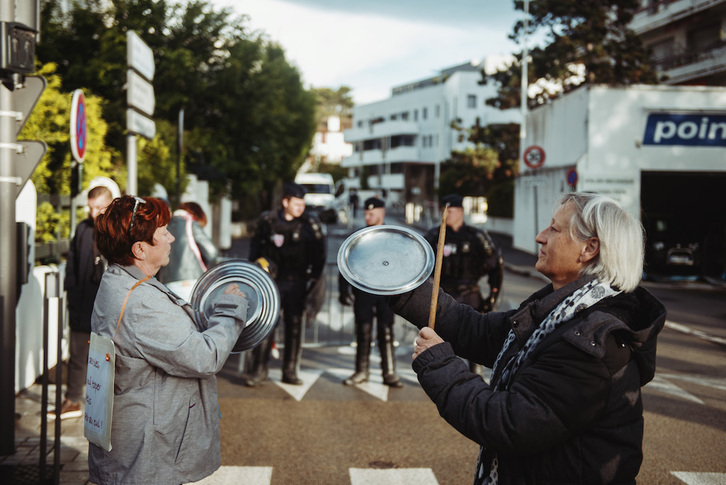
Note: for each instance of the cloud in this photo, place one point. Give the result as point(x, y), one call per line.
point(369, 52)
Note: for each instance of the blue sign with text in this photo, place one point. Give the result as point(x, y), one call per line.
point(685, 129)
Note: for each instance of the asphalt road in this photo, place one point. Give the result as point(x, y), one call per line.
point(324, 432)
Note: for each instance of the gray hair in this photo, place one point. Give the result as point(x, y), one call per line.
point(622, 242)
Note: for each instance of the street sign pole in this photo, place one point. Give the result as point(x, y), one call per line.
point(8, 252)
point(9, 182)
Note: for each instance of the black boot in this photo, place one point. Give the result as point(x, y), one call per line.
point(388, 357)
point(362, 355)
point(293, 351)
point(255, 368)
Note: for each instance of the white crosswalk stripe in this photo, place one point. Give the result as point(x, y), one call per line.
point(696, 478)
point(404, 476)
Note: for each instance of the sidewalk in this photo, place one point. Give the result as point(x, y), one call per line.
point(23, 466)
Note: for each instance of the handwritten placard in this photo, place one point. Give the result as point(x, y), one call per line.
point(99, 391)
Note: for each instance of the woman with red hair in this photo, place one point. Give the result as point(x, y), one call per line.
point(165, 426)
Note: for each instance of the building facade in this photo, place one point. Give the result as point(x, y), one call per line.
point(660, 151)
point(687, 39)
point(399, 143)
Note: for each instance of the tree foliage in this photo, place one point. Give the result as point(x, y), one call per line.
point(586, 42)
point(248, 121)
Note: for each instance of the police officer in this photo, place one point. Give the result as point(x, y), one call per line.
point(365, 305)
point(469, 254)
point(293, 242)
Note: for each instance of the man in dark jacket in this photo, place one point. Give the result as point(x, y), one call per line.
point(564, 403)
point(365, 307)
point(294, 242)
point(469, 255)
point(84, 268)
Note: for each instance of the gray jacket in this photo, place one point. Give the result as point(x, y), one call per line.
point(165, 415)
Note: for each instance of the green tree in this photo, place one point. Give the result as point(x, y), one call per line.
point(586, 42)
point(248, 119)
point(330, 102)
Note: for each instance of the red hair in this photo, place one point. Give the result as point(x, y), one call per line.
point(112, 226)
point(196, 211)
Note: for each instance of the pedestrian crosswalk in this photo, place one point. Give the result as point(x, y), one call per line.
point(229, 475)
point(251, 475)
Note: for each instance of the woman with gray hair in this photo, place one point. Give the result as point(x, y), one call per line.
point(564, 401)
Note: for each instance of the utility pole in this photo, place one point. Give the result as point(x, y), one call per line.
point(18, 32)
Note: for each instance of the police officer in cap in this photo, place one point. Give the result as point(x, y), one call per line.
point(293, 243)
point(365, 306)
point(469, 254)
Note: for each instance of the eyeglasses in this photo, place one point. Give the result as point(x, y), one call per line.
point(138, 200)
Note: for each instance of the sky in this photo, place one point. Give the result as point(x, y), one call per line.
point(374, 45)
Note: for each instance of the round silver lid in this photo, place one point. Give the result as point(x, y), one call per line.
point(258, 286)
point(385, 260)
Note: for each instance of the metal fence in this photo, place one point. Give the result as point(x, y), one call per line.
point(334, 323)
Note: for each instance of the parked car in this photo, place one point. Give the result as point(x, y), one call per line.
point(673, 247)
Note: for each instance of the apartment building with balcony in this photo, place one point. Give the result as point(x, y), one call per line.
point(687, 39)
point(399, 143)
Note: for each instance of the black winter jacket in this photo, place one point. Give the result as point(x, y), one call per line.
point(573, 412)
point(82, 276)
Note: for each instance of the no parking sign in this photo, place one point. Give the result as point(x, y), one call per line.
point(79, 131)
point(572, 177)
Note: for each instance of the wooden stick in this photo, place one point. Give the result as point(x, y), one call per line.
point(437, 269)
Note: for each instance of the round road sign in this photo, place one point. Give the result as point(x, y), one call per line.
point(79, 132)
point(534, 156)
point(572, 177)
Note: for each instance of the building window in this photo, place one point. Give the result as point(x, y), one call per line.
point(425, 113)
point(704, 38)
point(402, 141)
point(404, 116)
point(438, 110)
point(471, 101)
point(360, 124)
point(415, 115)
point(396, 168)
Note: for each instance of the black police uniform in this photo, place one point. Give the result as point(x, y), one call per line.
point(469, 254)
point(297, 251)
point(365, 306)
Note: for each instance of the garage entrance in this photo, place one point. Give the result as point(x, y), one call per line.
point(684, 214)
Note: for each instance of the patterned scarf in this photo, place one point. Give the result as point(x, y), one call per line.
point(582, 298)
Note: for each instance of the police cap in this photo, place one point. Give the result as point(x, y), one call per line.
point(453, 200)
point(373, 203)
point(291, 189)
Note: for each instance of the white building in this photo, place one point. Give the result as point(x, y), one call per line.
point(400, 142)
point(687, 39)
point(329, 145)
point(658, 150)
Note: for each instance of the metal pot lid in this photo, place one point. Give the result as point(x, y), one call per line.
point(385, 260)
point(258, 286)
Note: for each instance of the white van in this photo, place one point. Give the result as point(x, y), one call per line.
point(320, 196)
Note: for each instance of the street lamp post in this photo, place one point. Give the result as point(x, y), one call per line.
point(523, 94)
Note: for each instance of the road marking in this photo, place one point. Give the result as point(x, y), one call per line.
point(298, 392)
point(679, 327)
point(232, 475)
point(398, 476)
point(696, 478)
point(713, 382)
point(665, 386)
point(262, 475)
